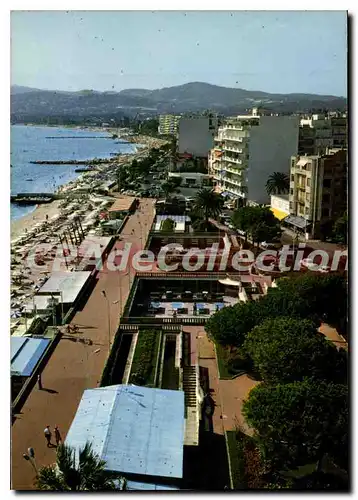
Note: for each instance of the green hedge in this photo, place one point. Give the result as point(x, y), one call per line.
point(145, 358)
point(236, 446)
point(230, 364)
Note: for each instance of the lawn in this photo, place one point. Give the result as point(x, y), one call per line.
point(145, 358)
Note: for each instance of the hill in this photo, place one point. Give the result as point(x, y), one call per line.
point(196, 96)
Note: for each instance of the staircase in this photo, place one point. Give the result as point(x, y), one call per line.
point(189, 385)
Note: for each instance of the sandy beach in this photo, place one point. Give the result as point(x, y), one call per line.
point(38, 215)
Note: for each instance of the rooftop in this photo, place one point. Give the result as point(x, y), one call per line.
point(136, 430)
point(25, 354)
point(122, 204)
point(68, 283)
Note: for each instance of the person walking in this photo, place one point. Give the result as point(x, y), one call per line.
point(58, 437)
point(48, 435)
point(39, 381)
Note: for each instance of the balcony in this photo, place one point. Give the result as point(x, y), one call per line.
point(233, 181)
point(232, 160)
point(233, 149)
point(234, 126)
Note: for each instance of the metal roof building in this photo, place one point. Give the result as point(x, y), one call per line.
point(65, 286)
point(138, 431)
point(25, 354)
point(69, 284)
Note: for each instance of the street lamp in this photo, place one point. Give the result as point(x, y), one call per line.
point(30, 457)
point(109, 320)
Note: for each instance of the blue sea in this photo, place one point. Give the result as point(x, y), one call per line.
point(31, 143)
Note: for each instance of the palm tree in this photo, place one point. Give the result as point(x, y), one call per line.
point(208, 203)
point(278, 183)
point(169, 188)
point(83, 473)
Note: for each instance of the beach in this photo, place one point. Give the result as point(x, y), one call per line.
point(38, 215)
point(20, 226)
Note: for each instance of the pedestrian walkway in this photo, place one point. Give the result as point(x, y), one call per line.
point(75, 365)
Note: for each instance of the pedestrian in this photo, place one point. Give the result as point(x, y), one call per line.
point(48, 435)
point(58, 438)
point(39, 381)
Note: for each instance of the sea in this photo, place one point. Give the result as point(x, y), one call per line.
point(31, 143)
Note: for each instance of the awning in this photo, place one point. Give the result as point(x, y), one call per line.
point(229, 282)
point(296, 220)
point(302, 162)
point(279, 213)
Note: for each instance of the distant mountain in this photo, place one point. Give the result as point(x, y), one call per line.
point(195, 96)
point(19, 89)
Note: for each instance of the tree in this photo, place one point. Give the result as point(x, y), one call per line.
point(85, 472)
point(325, 295)
point(168, 188)
point(257, 222)
point(208, 203)
point(168, 226)
point(278, 183)
point(287, 349)
point(230, 325)
point(297, 423)
point(122, 179)
point(340, 229)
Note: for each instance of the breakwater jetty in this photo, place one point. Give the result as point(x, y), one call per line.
point(95, 161)
point(32, 198)
point(79, 137)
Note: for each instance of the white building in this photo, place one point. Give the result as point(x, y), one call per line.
point(196, 135)
point(319, 132)
point(280, 205)
point(248, 149)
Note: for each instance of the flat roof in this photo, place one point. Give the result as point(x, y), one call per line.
point(67, 282)
point(122, 204)
point(25, 354)
point(137, 430)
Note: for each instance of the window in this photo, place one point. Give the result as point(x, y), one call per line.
point(325, 212)
point(327, 183)
point(326, 198)
point(308, 167)
point(307, 210)
point(308, 182)
point(292, 177)
point(292, 205)
point(291, 191)
point(307, 197)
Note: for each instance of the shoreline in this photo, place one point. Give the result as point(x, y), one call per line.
point(19, 226)
point(28, 221)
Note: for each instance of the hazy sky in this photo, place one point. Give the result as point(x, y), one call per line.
point(270, 51)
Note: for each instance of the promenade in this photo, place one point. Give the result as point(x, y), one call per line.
point(75, 365)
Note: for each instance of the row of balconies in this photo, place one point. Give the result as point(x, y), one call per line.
point(232, 181)
point(233, 149)
point(232, 160)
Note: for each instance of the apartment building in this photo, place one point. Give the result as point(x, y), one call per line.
point(168, 124)
point(318, 188)
point(196, 135)
point(248, 148)
point(319, 132)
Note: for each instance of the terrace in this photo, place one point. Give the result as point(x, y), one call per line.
point(180, 299)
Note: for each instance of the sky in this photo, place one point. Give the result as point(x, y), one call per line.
point(280, 52)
